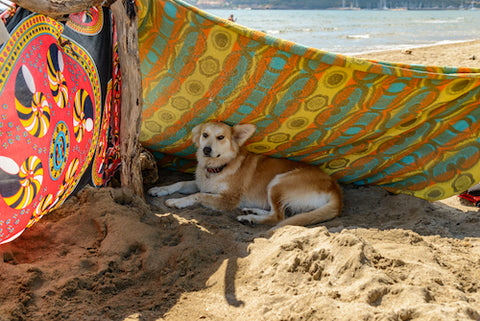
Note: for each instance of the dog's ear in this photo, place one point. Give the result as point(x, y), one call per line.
point(196, 131)
point(242, 132)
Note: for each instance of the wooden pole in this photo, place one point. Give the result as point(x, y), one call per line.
point(58, 9)
point(126, 21)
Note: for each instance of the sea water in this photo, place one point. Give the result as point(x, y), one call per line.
point(361, 31)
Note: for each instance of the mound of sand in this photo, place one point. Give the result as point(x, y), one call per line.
point(107, 255)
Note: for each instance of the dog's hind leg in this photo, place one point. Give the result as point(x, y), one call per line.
point(260, 216)
point(309, 193)
point(327, 212)
point(255, 211)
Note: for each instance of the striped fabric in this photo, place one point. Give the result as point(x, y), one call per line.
point(408, 128)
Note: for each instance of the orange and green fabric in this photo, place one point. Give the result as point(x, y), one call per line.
point(408, 128)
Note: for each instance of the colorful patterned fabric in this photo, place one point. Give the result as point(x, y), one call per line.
point(59, 124)
point(409, 128)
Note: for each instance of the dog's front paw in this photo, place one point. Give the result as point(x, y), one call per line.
point(249, 219)
point(158, 191)
point(180, 202)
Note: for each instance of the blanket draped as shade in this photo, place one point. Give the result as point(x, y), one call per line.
point(60, 106)
point(409, 128)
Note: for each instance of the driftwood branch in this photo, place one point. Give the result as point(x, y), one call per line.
point(126, 21)
point(60, 8)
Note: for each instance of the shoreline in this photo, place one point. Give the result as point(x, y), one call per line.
point(410, 47)
point(207, 7)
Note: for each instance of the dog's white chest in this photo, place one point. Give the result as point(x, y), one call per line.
point(211, 183)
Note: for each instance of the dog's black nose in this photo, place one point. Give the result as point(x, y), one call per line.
point(207, 150)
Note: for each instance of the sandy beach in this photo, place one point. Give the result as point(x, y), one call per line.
point(463, 54)
point(108, 255)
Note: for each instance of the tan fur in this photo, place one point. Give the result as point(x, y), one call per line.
point(264, 187)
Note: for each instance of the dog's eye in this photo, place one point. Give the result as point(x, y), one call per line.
point(205, 135)
point(220, 137)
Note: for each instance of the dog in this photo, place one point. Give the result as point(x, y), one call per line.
point(228, 177)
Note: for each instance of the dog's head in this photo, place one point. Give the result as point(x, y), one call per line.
point(219, 143)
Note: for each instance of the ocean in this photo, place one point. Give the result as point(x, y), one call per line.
point(360, 31)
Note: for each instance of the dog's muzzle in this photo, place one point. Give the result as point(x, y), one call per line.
point(207, 151)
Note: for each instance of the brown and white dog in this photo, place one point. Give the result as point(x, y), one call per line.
point(228, 176)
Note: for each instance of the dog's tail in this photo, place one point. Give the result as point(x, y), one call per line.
point(327, 212)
